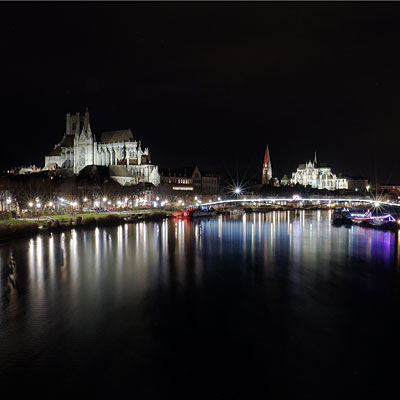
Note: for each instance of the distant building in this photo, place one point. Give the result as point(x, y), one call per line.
point(318, 176)
point(267, 168)
point(189, 180)
point(285, 180)
point(391, 188)
point(357, 183)
point(79, 148)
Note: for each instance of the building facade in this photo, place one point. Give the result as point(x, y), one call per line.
point(189, 180)
point(80, 148)
point(318, 177)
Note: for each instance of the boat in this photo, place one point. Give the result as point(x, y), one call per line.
point(362, 219)
point(341, 217)
point(383, 222)
point(201, 211)
point(237, 211)
point(194, 212)
point(180, 214)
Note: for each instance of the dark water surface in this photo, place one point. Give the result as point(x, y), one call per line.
point(233, 308)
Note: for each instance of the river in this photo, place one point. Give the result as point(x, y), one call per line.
point(226, 307)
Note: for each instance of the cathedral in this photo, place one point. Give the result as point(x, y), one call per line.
point(79, 148)
point(318, 176)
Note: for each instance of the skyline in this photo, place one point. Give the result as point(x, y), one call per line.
point(209, 84)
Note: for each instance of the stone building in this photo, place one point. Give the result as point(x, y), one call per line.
point(79, 148)
point(267, 168)
point(189, 180)
point(318, 176)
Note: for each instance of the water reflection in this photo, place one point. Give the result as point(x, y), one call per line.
point(137, 257)
point(76, 284)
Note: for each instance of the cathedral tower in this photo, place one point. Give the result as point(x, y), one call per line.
point(267, 167)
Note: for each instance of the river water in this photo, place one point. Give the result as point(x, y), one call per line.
point(226, 307)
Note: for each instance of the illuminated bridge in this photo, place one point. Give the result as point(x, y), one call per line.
point(300, 201)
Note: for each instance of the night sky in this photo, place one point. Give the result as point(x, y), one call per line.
point(208, 84)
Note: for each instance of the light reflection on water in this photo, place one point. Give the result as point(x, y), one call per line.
point(73, 286)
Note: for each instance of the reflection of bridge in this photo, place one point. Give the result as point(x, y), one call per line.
point(301, 201)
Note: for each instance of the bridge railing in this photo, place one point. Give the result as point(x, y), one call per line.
point(373, 202)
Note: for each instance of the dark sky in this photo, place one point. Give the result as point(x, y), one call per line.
point(208, 83)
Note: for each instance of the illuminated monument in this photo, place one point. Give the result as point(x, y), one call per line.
point(318, 176)
point(117, 150)
point(267, 168)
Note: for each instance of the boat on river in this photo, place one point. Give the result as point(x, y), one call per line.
point(342, 217)
point(194, 212)
point(383, 222)
point(237, 211)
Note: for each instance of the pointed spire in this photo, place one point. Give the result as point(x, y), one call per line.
point(267, 167)
point(315, 158)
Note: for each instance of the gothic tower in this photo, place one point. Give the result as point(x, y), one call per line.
point(267, 167)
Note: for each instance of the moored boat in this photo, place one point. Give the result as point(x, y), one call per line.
point(237, 211)
point(383, 222)
point(194, 212)
point(180, 214)
point(202, 211)
point(342, 216)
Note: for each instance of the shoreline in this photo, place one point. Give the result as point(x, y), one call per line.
point(32, 228)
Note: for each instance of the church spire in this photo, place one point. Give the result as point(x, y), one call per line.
point(315, 158)
point(267, 167)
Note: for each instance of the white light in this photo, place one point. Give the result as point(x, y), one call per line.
point(85, 199)
point(367, 187)
point(30, 204)
point(38, 205)
point(8, 201)
point(195, 197)
point(377, 204)
point(219, 198)
point(104, 198)
point(109, 201)
point(157, 198)
point(237, 190)
point(126, 199)
point(51, 204)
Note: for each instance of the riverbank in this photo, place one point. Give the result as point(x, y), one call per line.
point(17, 228)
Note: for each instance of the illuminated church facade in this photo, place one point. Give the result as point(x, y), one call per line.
point(318, 177)
point(79, 148)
